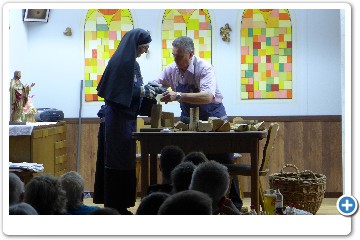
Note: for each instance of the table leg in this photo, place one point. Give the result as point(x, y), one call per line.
point(255, 175)
point(144, 172)
point(153, 169)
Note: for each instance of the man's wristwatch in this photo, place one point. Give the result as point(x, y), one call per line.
point(178, 96)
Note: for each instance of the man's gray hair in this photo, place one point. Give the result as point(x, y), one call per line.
point(184, 42)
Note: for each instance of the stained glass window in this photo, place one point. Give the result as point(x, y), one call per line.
point(266, 54)
point(104, 29)
point(194, 23)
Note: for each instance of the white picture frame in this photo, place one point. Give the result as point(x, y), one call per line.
point(36, 15)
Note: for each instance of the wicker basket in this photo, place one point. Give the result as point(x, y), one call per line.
point(305, 189)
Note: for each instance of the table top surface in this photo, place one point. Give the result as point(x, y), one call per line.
point(257, 134)
point(26, 129)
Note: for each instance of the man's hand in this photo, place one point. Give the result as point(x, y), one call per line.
point(168, 96)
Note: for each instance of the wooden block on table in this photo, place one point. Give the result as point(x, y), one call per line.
point(224, 128)
point(260, 126)
point(155, 120)
point(216, 122)
point(181, 125)
point(205, 126)
point(167, 119)
point(194, 119)
point(236, 119)
point(241, 127)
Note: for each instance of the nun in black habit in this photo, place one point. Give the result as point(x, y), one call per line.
point(122, 88)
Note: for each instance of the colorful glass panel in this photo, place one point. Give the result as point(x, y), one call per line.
point(266, 54)
point(194, 23)
point(104, 29)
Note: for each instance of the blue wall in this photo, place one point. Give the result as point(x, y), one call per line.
point(55, 62)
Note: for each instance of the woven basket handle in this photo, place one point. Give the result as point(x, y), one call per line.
point(290, 165)
point(312, 174)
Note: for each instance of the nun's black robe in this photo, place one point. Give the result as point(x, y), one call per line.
point(120, 87)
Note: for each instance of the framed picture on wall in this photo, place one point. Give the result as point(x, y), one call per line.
point(36, 15)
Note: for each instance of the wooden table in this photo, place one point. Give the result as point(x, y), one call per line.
point(208, 142)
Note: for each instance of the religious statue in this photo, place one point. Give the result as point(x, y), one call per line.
point(225, 32)
point(29, 110)
point(18, 96)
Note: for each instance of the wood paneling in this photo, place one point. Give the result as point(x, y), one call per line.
point(309, 142)
point(88, 150)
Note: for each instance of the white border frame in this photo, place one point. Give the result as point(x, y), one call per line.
point(195, 225)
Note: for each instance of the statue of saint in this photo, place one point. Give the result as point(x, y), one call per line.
point(18, 96)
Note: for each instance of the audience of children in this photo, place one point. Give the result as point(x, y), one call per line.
point(191, 185)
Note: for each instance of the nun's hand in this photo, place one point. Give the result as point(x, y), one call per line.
point(149, 91)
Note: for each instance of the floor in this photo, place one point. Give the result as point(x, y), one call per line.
point(328, 206)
